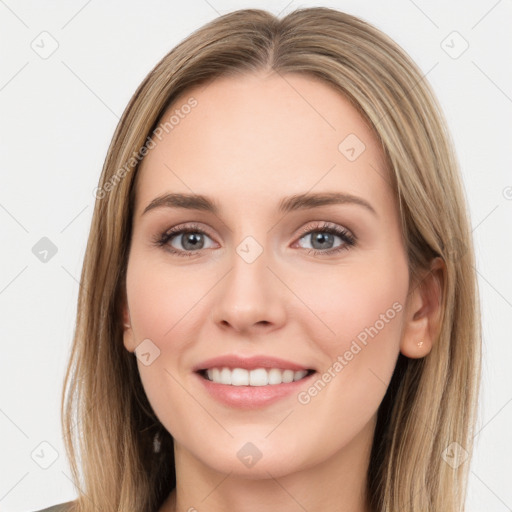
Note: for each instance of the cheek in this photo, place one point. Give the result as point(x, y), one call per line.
point(349, 303)
point(159, 298)
point(161, 302)
point(362, 316)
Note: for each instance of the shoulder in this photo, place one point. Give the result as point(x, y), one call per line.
point(61, 507)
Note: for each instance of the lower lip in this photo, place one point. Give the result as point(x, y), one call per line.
point(251, 397)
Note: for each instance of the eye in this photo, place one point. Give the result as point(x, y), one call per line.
point(322, 238)
point(183, 241)
point(191, 239)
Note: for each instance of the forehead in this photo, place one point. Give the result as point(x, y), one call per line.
point(260, 136)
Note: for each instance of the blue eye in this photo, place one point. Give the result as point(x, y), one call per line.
point(192, 239)
point(318, 237)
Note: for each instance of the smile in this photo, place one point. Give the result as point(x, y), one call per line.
point(256, 377)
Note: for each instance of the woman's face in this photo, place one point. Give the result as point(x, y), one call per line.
point(302, 260)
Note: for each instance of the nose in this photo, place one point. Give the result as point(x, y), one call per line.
point(251, 297)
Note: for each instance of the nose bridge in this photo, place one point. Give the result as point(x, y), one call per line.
point(250, 294)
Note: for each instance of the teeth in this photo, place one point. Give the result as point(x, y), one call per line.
point(256, 377)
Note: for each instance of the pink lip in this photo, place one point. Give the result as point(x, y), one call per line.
point(248, 363)
point(252, 397)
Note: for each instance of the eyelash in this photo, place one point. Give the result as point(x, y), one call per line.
point(348, 240)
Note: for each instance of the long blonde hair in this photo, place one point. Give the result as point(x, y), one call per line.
point(431, 403)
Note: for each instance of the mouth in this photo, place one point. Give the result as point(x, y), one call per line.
point(257, 377)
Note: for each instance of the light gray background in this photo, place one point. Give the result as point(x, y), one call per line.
point(57, 118)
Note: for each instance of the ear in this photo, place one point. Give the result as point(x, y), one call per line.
point(423, 312)
point(128, 336)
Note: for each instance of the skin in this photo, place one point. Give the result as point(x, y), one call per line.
point(250, 141)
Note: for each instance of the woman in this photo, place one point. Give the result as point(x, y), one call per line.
point(278, 305)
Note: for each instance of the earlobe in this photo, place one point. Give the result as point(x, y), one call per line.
point(128, 338)
point(423, 314)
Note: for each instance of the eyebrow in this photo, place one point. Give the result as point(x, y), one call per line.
point(287, 204)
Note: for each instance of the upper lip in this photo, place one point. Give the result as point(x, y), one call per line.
point(249, 363)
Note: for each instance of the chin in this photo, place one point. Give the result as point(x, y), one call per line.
point(257, 459)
